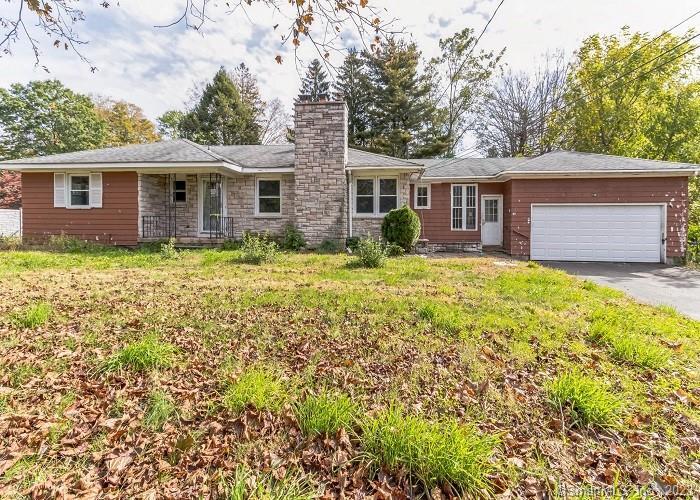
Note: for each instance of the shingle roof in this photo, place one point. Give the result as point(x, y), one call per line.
point(556, 161)
point(469, 167)
point(258, 156)
point(158, 152)
point(572, 161)
point(359, 158)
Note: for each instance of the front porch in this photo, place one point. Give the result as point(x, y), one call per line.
point(192, 208)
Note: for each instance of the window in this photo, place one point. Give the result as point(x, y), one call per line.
point(269, 198)
point(79, 191)
point(490, 210)
point(422, 196)
point(463, 207)
point(179, 191)
point(376, 195)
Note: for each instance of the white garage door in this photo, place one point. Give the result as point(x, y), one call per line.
point(613, 233)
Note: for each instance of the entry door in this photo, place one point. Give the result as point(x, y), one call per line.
point(212, 204)
point(492, 220)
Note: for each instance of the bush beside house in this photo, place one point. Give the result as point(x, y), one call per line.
point(401, 227)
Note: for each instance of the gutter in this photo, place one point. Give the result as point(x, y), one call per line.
point(506, 175)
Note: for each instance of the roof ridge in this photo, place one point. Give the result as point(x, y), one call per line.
point(207, 151)
point(607, 155)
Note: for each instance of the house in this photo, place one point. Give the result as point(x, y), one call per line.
point(558, 206)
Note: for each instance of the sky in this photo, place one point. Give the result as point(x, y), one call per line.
point(155, 67)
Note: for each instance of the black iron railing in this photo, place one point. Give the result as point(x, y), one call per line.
point(164, 226)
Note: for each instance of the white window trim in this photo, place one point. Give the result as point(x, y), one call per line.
point(257, 211)
point(375, 194)
point(69, 203)
point(464, 207)
point(415, 197)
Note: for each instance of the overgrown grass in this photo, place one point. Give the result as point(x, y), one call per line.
point(444, 318)
point(246, 485)
point(159, 410)
point(585, 400)
point(435, 453)
point(325, 414)
point(258, 387)
point(149, 353)
point(32, 316)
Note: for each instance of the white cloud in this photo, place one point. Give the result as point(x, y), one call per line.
point(154, 67)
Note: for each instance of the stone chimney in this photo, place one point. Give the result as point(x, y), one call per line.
point(320, 156)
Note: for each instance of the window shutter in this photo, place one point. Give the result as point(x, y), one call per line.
point(96, 190)
point(59, 190)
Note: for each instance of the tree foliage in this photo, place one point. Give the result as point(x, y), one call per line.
point(514, 117)
point(169, 124)
point(628, 95)
point(315, 83)
point(10, 189)
point(353, 86)
point(45, 117)
point(126, 123)
point(221, 116)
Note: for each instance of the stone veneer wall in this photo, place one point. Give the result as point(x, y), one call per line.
point(153, 193)
point(364, 225)
point(320, 185)
point(240, 195)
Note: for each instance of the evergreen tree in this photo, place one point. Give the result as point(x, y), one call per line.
point(314, 84)
point(221, 116)
point(403, 117)
point(352, 85)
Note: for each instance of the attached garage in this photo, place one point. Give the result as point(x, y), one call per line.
point(598, 232)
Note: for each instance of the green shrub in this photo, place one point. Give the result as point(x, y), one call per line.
point(258, 249)
point(328, 246)
point(435, 453)
point(586, 400)
point(351, 243)
point(32, 316)
point(257, 387)
point(231, 245)
point(370, 252)
point(159, 410)
point(325, 414)
point(402, 227)
point(292, 239)
point(393, 250)
point(146, 354)
point(168, 250)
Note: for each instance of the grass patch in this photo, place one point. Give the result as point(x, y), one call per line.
point(159, 410)
point(325, 414)
point(445, 319)
point(246, 485)
point(149, 353)
point(32, 316)
point(639, 351)
point(586, 400)
point(435, 453)
point(257, 387)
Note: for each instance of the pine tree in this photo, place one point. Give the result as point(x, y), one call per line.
point(314, 84)
point(221, 116)
point(402, 115)
point(352, 85)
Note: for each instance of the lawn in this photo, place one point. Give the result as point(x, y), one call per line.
point(125, 373)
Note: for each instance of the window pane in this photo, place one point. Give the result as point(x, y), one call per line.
point(268, 188)
point(471, 196)
point(78, 198)
point(180, 196)
point(180, 185)
point(364, 204)
point(80, 182)
point(422, 196)
point(365, 187)
point(387, 186)
point(456, 218)
point(386, 203)
point(491, 210)
point(269, 206)
point(471, 218)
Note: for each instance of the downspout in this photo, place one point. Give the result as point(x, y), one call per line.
point(348, 179)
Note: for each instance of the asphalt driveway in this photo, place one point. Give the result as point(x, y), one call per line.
point(677, 287)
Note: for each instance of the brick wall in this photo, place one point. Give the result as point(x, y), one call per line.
point(320, 185)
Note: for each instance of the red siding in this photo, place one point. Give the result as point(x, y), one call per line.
point(115, 223)
point(520, 194)
point(436, 222)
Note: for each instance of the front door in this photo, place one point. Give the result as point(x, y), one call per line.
point(212, 204)
point(492, 220)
